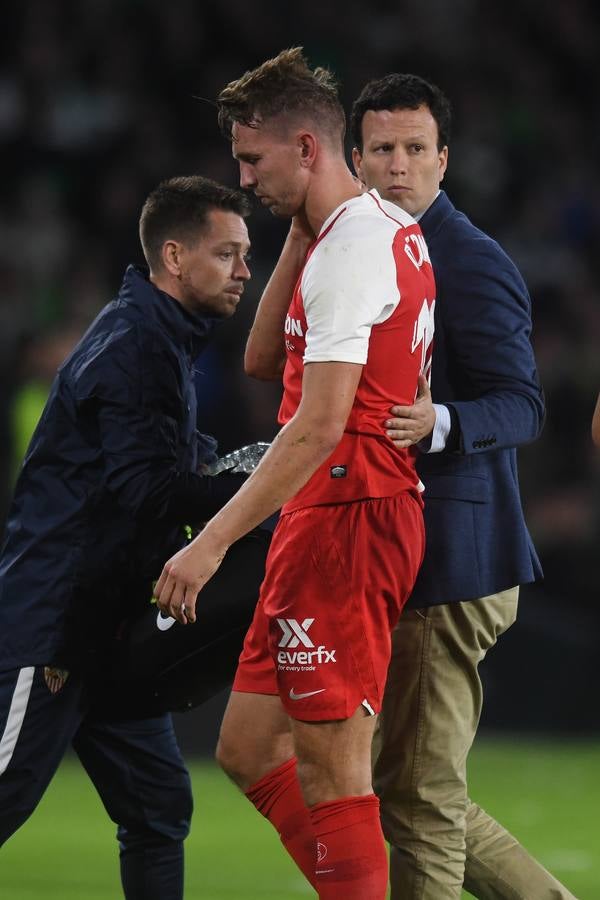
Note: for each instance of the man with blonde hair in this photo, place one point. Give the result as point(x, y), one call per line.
point(297, 732)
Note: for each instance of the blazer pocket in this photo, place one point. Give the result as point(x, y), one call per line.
point(473, 488)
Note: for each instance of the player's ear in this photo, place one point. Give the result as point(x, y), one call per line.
point(307, 145)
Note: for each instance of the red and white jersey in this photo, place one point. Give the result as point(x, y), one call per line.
point(366, 295)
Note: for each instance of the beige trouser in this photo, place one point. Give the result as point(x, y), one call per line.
point(430, 714)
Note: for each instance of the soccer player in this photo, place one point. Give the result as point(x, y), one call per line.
point(297, 732)
point(108, 482)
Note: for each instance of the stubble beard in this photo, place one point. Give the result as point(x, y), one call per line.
point(285, 207)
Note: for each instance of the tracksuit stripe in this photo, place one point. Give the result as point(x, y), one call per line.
point(16, 715)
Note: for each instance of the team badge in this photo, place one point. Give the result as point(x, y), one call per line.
point(55, 678)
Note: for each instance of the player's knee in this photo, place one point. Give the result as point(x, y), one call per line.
point(319, 780)
point(323, 777)
point(248, 762)
point(234, 762)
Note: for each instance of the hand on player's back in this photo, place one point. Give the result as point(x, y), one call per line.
point(412, 423)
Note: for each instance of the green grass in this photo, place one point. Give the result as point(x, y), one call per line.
point(547, 794)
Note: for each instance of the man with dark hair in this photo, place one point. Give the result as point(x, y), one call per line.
point(108, 483)
point(487, 401)
point(297, 732)
point(179, 209)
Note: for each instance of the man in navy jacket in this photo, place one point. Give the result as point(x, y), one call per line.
point(110, 480)
point(488, 401)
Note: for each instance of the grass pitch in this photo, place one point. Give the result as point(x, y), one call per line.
point(547, 794)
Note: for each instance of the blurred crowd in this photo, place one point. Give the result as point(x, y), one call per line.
point(101, 99)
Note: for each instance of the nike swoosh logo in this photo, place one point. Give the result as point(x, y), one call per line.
point(164, 624)
point(295, 696)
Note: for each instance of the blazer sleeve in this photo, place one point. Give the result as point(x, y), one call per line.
point(486, 312)
point(131, 404)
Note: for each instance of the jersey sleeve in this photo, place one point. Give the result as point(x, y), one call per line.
point(349, 284)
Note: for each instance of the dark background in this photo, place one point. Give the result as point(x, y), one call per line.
point(98, 104)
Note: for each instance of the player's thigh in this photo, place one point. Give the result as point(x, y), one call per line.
point(139, 773)
point(334, 758)
point(255, 737)
point(336, 580)
point(40, 710)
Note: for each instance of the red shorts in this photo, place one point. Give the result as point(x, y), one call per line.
point(337, 578)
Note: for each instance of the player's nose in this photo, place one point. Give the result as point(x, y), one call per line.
point(247, 177)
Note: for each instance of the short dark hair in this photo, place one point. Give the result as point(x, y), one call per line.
point(402, 92)
point(178, 210)
point(283, 85)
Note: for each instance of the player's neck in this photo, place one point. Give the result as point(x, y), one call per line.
point(330, 188)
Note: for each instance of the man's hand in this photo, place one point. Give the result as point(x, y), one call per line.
point(300, 230)
point(265, 354)
point(412, 423)
point(185, 574)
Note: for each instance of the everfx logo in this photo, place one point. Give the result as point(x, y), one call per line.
point(294, 633)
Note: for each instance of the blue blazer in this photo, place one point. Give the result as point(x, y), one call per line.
point(484, 370)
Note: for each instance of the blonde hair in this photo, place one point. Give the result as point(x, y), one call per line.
point(284, 86)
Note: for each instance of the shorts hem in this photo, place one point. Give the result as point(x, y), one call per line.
point(316, 715)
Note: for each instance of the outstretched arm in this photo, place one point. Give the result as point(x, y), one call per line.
point(265, 350)
point(328, 391)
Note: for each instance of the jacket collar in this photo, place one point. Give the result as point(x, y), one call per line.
point(434, 217)
point(189, 330)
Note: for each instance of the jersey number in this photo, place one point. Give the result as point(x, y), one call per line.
point(423, 336)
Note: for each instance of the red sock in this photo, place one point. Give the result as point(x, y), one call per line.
point(277, 796)
point(352, 859)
